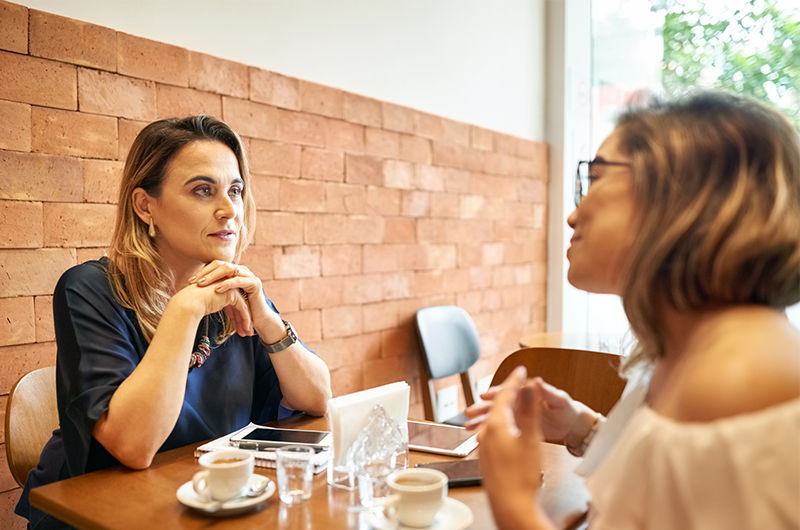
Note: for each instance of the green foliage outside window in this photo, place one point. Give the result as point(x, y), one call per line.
point(748, 47)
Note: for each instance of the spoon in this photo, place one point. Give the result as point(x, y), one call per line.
point(253, 490)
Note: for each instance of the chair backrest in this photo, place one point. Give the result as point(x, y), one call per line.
point(588, 376)
point(450, 345)
point(31, 417)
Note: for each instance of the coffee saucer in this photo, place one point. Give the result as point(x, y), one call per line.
point(188, 497)
point(453, 515)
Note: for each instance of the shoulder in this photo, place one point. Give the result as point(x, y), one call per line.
point(89, 273)
point(752, 369)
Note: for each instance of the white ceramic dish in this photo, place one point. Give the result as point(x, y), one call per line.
point(454, 515)
point(187, 496)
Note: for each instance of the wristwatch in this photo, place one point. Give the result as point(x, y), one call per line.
point(285, 342)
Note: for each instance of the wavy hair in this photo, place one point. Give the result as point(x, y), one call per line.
point(135, 272)
point(717, 178)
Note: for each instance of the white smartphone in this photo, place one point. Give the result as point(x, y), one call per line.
point(265, 438)
point(441, 438)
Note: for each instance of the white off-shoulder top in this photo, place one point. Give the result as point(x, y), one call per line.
point(646, 471)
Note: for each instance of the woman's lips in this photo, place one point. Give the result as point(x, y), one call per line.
point(224, 234)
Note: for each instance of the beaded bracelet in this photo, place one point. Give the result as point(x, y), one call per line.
point(578, 451)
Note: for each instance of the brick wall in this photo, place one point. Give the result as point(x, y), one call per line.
point(367, 211)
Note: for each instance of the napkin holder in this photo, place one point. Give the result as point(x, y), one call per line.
point(349, 414)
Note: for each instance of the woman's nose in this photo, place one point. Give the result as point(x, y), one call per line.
point(225, 208)
point(573, 217)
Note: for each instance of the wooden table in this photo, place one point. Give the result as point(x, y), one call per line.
point(120, 498)
point(573, 341)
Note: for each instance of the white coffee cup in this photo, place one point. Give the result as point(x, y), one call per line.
point(417, 496)
point(225, 474)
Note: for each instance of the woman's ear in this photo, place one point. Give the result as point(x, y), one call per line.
point(141, 201)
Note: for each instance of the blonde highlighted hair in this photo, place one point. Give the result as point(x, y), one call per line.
point(135, 272)
point(717, 179)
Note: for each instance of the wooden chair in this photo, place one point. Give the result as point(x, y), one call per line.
point(588, 376)
point(449, 343)
point(31, 417)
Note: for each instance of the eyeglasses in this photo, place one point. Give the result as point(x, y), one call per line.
point(583, 176)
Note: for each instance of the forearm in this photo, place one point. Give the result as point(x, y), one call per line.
point(585, 424)
point(145, 407)
point(304, 379)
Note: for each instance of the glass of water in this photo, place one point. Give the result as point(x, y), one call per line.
point(295, 471)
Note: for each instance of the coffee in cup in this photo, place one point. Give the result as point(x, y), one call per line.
point(417, 496)
point(225, 473)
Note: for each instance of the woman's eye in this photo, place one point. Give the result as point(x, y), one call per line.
point(236, 191)
point(593, 178)
point(203, 191)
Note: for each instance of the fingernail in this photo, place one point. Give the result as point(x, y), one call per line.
point(520, 371)
point(193, 278)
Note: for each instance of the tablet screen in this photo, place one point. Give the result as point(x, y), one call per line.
point(287, 436)
point(437, 435)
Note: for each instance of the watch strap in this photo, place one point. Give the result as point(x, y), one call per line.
point(288, 340)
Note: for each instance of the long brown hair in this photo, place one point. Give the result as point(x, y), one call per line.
point(717, 178)
point(135, 271)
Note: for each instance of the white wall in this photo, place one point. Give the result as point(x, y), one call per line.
point(471, 60)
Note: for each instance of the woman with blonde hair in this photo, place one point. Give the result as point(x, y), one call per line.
point(169, 340)
point(691, 213)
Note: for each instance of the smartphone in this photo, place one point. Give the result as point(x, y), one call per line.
point(258, 437)
point(459, 472)
point(441, 438)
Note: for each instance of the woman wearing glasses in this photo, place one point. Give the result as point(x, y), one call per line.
point(169, 341)
point(691, 213)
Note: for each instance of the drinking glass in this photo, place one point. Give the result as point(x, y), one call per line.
point(295, 471)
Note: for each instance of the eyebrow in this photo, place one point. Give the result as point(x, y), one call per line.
point(203, 178)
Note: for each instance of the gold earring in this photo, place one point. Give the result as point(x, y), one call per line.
point(152, 230)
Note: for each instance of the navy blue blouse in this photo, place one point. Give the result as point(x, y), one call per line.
point(100, 344)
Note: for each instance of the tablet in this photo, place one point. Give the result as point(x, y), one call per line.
point(441, 438)
point(459, 472)
point(260, 437)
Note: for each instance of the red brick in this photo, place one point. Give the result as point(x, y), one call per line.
point(341, 321)
point(397, 118)
point(88, 254)
point(341, 259)
point(472, 206)
point(128, 130)
point(400, 230)
point(78, 225)
point(416, 203)
point(456, 132)
point(35, 177)
point(385, 144)
point(38, 81)
point(101, 179)
point(297, 262)
point(330, 229)
point(285, 294)
point(275, 89)
point(43, 310)
point(72, 41)
point(19, 360)
point(532, 190)
point(20, 225)
point(212, 74)
point(317, 293)
point(255, 120)
point(398, 285)
point(345, 198)
point(62, 132)
point(343, 136)
point(3, 402)
point(258, 258)
point(451, 230)
point(399, 341)
point(380, 316)
point(383, 371)
point(322, 164)
point(301, 196)
point(15, 125)
point(279, 228)
point(398, 174)
point(481, 138)
point(429, 125)
point(116, 95)
point(362, 289)
point(17, 322)
point(415, 149)
point(445, 205)
point(346, 380)
point(273, 158)
point(321, 99)
point(456, 180)
point(265, 191)
point(384, 201)
point(177, 102)
point(14, 29)
point(457, 156)
point(308, 324)
point(301, 128)
point(153, 60)
point(363, 170)
point(363, 110)
point(437, 257)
